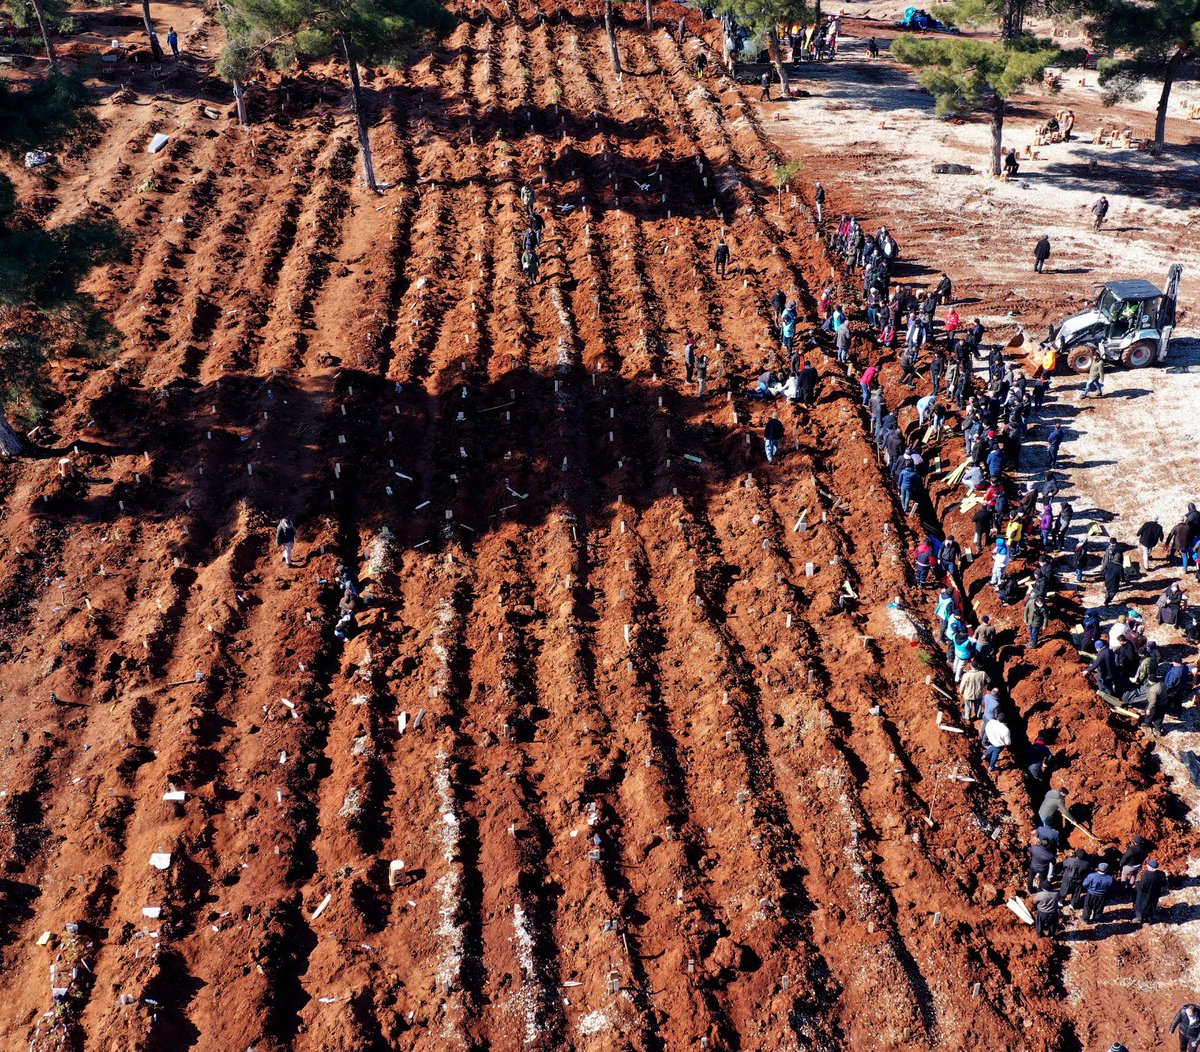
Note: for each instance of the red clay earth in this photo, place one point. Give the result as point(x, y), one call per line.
point(662, 790)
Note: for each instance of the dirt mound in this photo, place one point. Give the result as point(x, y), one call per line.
point(650, 783)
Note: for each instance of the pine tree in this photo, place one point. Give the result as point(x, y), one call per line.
point(280, 32)
point(1158, 40)
point(964, 74)
point(766, 18)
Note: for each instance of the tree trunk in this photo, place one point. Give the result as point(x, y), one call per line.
point(1160, 118)
point(649, 14)
point(360, 115)
point(154, 44)
point(611, 29)
point(1012, 25)
point(239, 96)
point(776, 53)
point(10, 444)
point(45, 28)
point(997, 132)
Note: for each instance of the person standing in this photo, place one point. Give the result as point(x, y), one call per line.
point(905, 480)
point(721, 257)
point(819, 200)
point(766, 90)
point(872, 48)
point(1054, 803)
point(1150, 887)
point(999, 562)
point(1100, 210)
point(778, 302)
point(701, 375)
point(1036, 617)
point(806, 382)
point(1096, 887)
point(843, 341)
point(1042, 857)
point(866, 380)
point(1095, 380)
point(173, 42)
point(285, 537)
point(773, 434)
point(1045, 911)
point(1041, 253)
point(689, 358)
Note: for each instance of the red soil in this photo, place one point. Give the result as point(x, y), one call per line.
point(782, 859)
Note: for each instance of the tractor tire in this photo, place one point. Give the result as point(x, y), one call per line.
point(1140, 354)
point(1080, 359)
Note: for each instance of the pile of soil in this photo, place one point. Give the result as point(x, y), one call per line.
point(651, 782)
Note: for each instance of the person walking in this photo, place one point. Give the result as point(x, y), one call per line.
point(765, 81)
point(1179, 542)
point(866, 380)
point(923, 560)
point(773, 434)
point(971, 687)
point(528, 197)
point(1150, 888)
point(1099, 211)
point(997, 737)
point(529, 265)
point(721, 257)
point(1187, 1022)
point(285, 537)
point(819, 201)
point(1095, 380)
point(173, 42)
point(1114, 577)
point(1148, 538)
point(1041, 253)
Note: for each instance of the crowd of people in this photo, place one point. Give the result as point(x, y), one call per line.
point(945, 370)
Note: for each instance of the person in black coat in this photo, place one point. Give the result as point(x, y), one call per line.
point(1187, 1022)
point(1114, 577)
point(1073, 872)
point(1105, 668)
point(1150, 888)
point(1041, 858)
point(1041, 253)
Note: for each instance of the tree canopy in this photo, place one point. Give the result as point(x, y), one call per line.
point(963, 74)
point(280, 32)
point(1151, 40)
